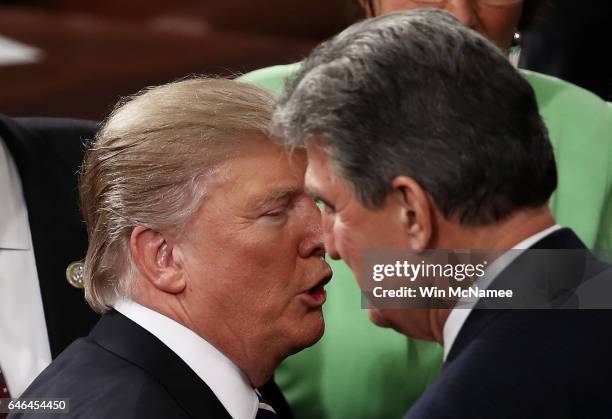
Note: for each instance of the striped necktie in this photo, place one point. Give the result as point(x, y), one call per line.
point(265, 411)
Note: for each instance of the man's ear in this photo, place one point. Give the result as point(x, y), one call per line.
point(156, 260)
point(416, 211)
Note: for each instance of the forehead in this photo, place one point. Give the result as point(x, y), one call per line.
point(321, 178)
point(261, 170)
point(319, 173)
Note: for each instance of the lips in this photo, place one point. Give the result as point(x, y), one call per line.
point(315, 296)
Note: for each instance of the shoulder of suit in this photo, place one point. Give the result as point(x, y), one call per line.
point(62, 138)
point(100, 384)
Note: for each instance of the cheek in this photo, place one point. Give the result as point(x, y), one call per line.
point(258, 247)
point(351, 243)
point(243, 267)
point(346, 241)
point(267, 267)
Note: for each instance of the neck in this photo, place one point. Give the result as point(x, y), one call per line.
point(241, 347)
point(254, 357)
point(251, 354)
point(498, 237)
point(438, 317)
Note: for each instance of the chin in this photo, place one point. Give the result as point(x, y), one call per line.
point(407, 322)
point(378, 318)
point(310, 332)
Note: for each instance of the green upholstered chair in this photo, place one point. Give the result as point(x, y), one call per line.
point(360, 371)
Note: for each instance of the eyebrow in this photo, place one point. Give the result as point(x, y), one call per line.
point(286, 192)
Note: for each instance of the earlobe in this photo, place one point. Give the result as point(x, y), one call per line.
point(416, 211)
point(156, 260)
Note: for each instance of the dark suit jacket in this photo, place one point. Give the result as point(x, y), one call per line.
point(529, 363)
point(122, 371)
point(48, 153)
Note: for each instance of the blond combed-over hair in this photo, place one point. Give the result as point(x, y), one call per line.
point(145, 165)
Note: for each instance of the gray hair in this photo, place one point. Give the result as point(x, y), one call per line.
point(418, 94)
point(146, 165)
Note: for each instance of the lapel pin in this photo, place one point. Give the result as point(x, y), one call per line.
point(75, 274)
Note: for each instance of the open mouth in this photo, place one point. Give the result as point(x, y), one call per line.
point(316, 295)
point(317, 289)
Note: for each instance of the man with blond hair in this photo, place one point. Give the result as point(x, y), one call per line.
point(205, 256)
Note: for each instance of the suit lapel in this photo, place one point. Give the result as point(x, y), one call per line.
point(566, 275)
point(58, 235)
point(120, 335)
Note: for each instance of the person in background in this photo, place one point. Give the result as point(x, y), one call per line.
point(567, 42)
point(205, 257)
point(42, 241)
point(453, 156)
point(362, 372)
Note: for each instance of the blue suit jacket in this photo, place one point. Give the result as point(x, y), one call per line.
point(529, 363)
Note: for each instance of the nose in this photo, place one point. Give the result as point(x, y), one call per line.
point(328, 236)
point(312, 242)
point(465, 11)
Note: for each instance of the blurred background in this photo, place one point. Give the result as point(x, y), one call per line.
point(75, 58)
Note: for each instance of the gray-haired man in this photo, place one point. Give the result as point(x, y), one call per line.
point(421, 135)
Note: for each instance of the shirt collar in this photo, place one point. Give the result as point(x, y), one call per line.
point(458, 316)
point(224, 378)
point(14, 228)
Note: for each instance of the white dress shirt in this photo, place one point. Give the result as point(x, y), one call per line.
point(222, 376)
point(24, 344)
point(459, 315)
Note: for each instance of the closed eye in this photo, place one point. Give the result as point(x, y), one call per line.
point(279, 212)
point(276, 213)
